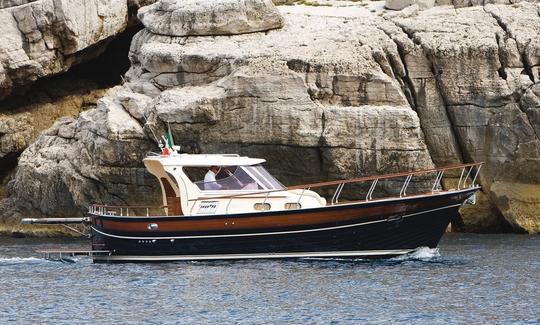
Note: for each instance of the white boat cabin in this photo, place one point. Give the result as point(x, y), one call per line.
point(236, 185)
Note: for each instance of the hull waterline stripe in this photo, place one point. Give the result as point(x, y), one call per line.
point(269, 233)
point(165, 258)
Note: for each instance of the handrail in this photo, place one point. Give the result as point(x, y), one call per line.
point(130, 206)
point(109, 210)
point(347, 181)
point(337, 193)
point(438, 179)
point(476, 175)
point(371, 189)
point(386, 176)
point(403, 191)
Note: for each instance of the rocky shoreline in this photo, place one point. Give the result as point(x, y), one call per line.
point(322, 92)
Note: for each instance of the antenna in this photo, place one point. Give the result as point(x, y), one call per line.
point(145, 124)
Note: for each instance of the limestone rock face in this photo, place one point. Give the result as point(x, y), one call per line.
point(68, 164)
point(209, 17)
point(426, 4)
point(486, 85)
point(469, 3)
point(40, 38)
point(401, 4)
point(13, 3)
point(19, 128)
point(530, 102)
point(521, 203)
point(336, 92)
point(22, 123)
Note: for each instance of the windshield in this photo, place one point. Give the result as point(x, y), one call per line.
point(239, 178)
point(264, 177)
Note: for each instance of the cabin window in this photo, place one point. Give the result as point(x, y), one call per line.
point(261, 174)
point(195, 173)
point(262, 206)
point(235, 178)
point(228, 178)
point(293, 206)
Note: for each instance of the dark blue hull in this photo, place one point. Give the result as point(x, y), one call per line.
point(421, 223)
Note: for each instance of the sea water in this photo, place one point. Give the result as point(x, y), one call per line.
point(469, 279)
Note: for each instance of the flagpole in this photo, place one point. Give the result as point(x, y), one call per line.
point(170, 134)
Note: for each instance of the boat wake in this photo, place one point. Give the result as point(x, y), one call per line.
point(19, 260)
point(5, 261)
point(419, 254)
point(423, 254)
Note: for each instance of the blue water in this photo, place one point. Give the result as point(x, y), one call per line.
point(489, 279)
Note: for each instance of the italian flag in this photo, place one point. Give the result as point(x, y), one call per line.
point(170, 142)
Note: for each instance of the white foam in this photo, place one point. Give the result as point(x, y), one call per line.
point(20, 259)
point(421, 253)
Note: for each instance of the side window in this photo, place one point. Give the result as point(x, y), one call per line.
point(262, 206)
point(293, 206)
point(195, 174)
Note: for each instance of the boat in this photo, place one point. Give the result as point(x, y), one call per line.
point(243, 212)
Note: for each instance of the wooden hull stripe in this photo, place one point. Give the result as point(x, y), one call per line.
point(271, 233)
point(165, 258)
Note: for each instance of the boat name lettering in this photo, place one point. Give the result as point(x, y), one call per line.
point(208, 207)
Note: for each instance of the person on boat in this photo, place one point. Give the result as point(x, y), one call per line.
point(210, 179)
point(230, 181)
point(224, 172)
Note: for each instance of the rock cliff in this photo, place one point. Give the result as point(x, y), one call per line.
point(426, 4)
point(40, 38)
point(38, 42)
point(322, 92)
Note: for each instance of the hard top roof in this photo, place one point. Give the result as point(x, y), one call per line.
point(206, 160)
